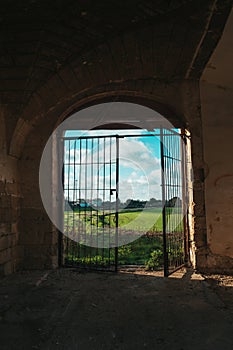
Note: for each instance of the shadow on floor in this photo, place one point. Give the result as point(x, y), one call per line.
point(68, 309)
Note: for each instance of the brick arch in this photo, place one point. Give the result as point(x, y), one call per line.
point(137, 97)
point(174, 100)
point(157, 95)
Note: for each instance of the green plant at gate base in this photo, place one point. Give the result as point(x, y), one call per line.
point(124, 254)
point(155, 261)
point(176, 256)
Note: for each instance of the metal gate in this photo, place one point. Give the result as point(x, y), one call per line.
point(174, 198)
point(90, 180)
point(91, 210)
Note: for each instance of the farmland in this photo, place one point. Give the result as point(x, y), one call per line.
point(145, 227)
point(148, 220)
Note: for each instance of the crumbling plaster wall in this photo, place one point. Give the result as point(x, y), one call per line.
point(216, 90)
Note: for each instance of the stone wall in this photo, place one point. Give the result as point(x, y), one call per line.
point(218, 145)
point(123, 68)
point(38, 237)
point(180, 102)
point(217, 109)
point(9, 207)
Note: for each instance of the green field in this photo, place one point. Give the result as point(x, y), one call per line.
point(146, 250)
point(147, 220)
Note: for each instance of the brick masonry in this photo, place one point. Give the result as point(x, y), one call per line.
point(9, 234)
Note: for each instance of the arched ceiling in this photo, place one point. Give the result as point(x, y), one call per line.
point(40, 37)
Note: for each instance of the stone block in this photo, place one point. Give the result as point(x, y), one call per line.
point(5, 201)
point(5, 215)
point(5, 228)
point(69, 78)
point(5, 255)
point(2, 187)
point(5, 242)
point(8, 268)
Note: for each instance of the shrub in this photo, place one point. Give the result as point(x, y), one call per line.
point(155, 261)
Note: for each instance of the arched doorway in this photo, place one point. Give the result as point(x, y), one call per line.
point(102, 149)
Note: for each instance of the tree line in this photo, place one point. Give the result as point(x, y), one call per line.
point(98, 203)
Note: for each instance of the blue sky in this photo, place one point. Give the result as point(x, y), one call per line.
point(139, 171)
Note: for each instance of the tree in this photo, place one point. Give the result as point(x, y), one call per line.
point(174, 202)
point(152, 202)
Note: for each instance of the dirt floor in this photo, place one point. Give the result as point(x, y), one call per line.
point(68, 309)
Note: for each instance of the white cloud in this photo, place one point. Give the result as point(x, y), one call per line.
point(139, 168)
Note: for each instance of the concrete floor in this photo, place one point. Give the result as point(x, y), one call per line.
point(67, 309)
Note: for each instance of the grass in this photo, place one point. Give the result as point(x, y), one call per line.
point(135, 253)
point(139, 251)
point(147, 220)
point(146, 250)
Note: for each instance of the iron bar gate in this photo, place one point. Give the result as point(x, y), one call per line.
point(91, 208)
point(174, 198)
point(90, 182)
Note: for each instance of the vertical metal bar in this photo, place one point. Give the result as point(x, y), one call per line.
point(173, 192)
point(165, 255)
point(98, 185)
point(60, 145)
point(168, 164)
point(85, 203)
point(110, 201)
point(80, 225)
point(168, 168)
point(69, 243)
point(117, 203)
point(91, 192)
point(104, 192)
point(74, 244)
point(67, 214)
point(184, 194)
point(189, 190)
point(177, 174)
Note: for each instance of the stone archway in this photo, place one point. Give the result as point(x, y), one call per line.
point(38, 236)
point(54, 63)
point(109, 118)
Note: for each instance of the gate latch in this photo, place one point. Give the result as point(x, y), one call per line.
point(111, 191)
